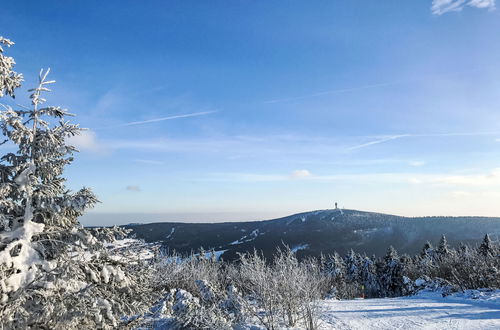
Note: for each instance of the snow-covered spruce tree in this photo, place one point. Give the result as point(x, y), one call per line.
point(339, 285)
point(443, 249)
point(393, 280)
point(53, 272)
point(9, 79)
point(486, 247)
point(369, 278)
point(352, 261)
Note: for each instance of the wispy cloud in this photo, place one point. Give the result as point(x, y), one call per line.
point(234, 147)
point(297, 174)
point(109, 100)
point(305, 149)
point(403, 178)
point(332, 91)
point(478, 179)
point(454, 134)
point(133, 188)
point(246, 177)
point(155, 120)
point(440, 7)
point(488, 179)
point(416, 163)
point(149, 161)
point(86, 141)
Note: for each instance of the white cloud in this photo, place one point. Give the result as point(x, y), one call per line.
point(87, 140)
point(490, 4)
point(133, 188)
point(492, 178)
point(440, 7)
point(416, 163)
point(300, 174)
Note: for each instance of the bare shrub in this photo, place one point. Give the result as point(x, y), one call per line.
point(282, 292)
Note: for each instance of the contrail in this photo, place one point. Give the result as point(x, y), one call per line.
point(333, 91)
point(382, 140)
point(387, 138)
point(375, 85)
point(455, 134)
point(154, 120)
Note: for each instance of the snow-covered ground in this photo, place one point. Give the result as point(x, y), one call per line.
point(427, 310)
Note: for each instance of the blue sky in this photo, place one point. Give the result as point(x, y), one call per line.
point(239, 110)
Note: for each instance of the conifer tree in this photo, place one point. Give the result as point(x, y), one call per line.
point(486, 247)
point(38, 211)
point(443, 248)
point(9, 79)
point(352, 262)
point(427, 250)
point(369, 277)
point(392, 278)
point(53, 272)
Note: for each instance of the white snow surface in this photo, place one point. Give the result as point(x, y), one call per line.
point(253, 235)
point(472, 309)
point(300, 247)
point(428, 310)
point(171, 233)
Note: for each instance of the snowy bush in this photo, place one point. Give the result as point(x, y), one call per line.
point(284, 292)
point(183, 272)
point(218, 295)
point(199, 291)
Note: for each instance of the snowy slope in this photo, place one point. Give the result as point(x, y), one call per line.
point(424, 311)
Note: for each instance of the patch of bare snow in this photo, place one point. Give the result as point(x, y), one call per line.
point(253, 235)
point(299, 247)
point(428, 310)
point(171, 233)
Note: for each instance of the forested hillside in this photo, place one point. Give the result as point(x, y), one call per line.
point(324, 231)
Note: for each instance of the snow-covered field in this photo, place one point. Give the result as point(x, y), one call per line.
point(424, 311)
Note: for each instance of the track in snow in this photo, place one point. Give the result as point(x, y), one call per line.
point(428, 312)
